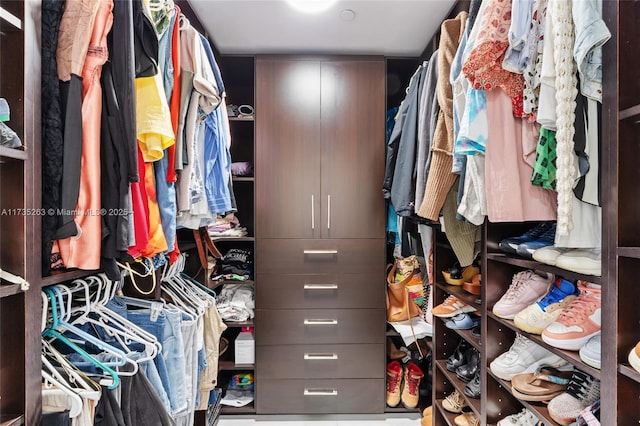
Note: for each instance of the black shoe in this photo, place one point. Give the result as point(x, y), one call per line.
point(467, 371)
point(472, 389)
point(458, 358)
point(475, 331)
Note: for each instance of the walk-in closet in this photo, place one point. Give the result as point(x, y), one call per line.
point(210, 214)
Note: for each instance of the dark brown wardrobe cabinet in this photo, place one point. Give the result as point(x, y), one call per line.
point(320, 251)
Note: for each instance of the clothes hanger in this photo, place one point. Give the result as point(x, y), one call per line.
point(74, 375)
point(54, 387)
point(24, 284)
point(121, 329)
point(52, 332)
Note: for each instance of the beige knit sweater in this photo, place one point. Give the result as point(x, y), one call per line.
point(440, 178)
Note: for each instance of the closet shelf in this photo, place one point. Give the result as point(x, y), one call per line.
point(215, 284)
point(243, 178)
point(400, 409)
point(247, 409)
point(14, 153)
point(235, 239)
point(230, 365)
point(572, 357)
point(9, 290)
point(448, 417)
point(632, 252)
point(532, 264)
point(243, 118)
point(11, 420)
point(12, 19)
point(628, 371)
point(460, 293)
point(238, 324)
point(459, 385)
point(60, 277)
point(466, 335)
point(539, 409)
point(629, 112)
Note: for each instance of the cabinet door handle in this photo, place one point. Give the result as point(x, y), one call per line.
point(320, 286)
point(313, 215)
point(320, 356)
point(320, 251)
point(320, 392)
point(328, 211)
point(311, 321)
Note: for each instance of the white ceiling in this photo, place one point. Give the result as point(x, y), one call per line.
point(380, 27)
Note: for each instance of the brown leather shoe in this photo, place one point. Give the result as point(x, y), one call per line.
point(392, 350)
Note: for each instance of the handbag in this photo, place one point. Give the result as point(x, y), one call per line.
point(400, 305)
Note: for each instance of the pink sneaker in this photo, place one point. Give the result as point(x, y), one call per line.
point(526, 287)
point(578, 322)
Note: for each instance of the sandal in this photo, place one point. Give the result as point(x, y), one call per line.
point(542, 386)
point(474, 286)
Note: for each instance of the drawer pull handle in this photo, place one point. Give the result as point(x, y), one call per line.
point(321, 252)
point(320, 392)
point(313, 216)
point(321, 322)
point(320, 286)
point(328, 211)
point(320, 356)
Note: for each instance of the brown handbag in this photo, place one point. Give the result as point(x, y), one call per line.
point(400, 306)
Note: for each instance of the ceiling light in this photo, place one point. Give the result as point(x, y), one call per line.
point(347, 15)
point(311, 6)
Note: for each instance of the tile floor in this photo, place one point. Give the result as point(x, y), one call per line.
point(341, 421)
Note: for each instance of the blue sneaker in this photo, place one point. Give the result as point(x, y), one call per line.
point(547, 239)
point(537, 316)
point(510, 245)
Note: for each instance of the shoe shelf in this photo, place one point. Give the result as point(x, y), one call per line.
point(464, 334)
point(401, 409)
point(459, 385)
point(447, 416)
point(572, 357)
point(537, 266)
point(460, 293)
point(629, 372)
point(537, 408)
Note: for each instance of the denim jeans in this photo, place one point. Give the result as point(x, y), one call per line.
point(167, 329)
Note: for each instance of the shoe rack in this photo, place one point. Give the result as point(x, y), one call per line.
point(499, 334)
point(445, 340)
point(621, 119)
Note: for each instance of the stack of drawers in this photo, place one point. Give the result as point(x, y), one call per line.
point(320, 326)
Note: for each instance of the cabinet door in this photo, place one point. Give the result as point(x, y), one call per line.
point(353, 148)
point(287, 148)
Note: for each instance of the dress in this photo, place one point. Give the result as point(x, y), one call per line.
point(509, 158)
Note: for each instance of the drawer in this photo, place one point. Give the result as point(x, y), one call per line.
point(320, 326)
point(289, 256)
point(320, 362)
point(318, 291)
point(340, 396)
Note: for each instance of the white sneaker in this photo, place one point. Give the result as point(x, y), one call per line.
point(549, 254)
point(523, 418)
point(526, 287)
point(582, 261)
point(524, 356)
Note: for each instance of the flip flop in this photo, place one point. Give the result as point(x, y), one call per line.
point(543, 385)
